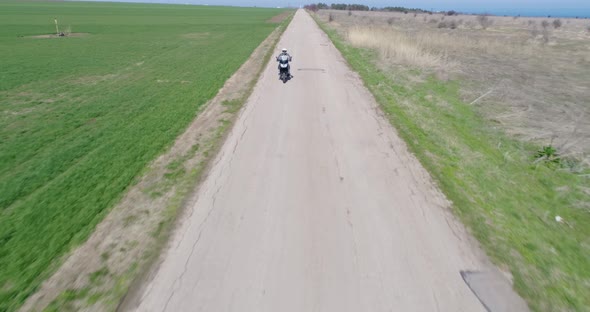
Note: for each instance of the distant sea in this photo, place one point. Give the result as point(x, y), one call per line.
point(540, 12)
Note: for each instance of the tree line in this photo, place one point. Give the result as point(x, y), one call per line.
point(359, 7)
point(337, 6)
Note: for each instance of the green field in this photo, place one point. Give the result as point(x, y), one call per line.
point(82, 116)
point(507, 198)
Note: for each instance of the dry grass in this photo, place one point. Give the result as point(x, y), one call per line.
point(528, 75)
point(397, 47)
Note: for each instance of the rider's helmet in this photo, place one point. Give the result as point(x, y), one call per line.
point(284, 50)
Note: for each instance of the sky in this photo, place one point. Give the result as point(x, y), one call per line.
point(555, 8)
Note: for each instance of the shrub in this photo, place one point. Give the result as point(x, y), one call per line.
point(312, 7)
point(544, 24)
point(330, 18)
point(390, 20)
point(557, 23)
point(484, 21)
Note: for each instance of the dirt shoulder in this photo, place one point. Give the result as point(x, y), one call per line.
point(96, 275)
point(281, 17)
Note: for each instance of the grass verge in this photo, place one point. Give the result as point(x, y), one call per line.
point(508, 201)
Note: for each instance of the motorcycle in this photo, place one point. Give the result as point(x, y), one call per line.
point(284, 72)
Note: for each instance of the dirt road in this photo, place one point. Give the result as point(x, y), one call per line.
point(314, 204)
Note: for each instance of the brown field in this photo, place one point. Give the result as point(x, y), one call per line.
point(531, 76)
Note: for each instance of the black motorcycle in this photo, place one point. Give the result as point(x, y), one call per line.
point(284, 68)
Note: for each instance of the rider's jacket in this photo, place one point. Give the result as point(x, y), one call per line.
point(284, 57)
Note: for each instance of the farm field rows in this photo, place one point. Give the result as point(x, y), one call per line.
point(82, 115)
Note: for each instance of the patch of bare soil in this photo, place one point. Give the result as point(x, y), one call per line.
point(92, 80)
point(51, 36)
point(280, 18)
point(125, 243)
point(197, 35)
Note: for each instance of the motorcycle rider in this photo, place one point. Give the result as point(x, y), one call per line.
point(285, 57)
